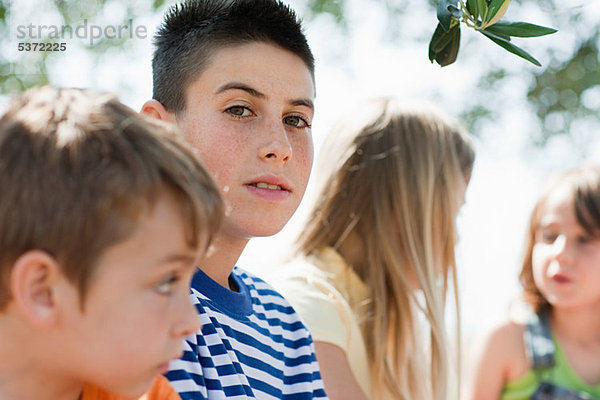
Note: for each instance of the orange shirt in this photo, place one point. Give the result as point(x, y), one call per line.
point(161, 390)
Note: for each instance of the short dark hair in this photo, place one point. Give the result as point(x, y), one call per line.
point(78, 169)
point(193, 30)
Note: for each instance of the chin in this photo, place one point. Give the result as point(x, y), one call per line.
point(261, 227)
point(258, 233)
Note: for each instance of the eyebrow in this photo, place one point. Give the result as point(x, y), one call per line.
point(303, 102)
point(545, 224)
point(255, 93)
point(240, 86)
point(178, 258)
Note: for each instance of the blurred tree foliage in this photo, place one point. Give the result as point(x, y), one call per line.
point(564, 91)
point(26, 69)
point(568, 90)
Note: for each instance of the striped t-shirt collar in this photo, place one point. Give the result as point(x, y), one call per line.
point(237, 303)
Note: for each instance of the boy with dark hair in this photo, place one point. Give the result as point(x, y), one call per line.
point(238, 77)
point(193, 31)
point(103, 216)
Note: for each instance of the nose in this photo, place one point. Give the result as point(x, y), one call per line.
point(562, 249)
point(277, 146)
point(188, 320)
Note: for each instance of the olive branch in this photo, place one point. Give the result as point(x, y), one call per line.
point(484, 17)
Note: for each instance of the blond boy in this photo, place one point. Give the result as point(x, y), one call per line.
point(103, 216)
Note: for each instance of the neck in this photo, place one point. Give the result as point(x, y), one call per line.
point(581, 325)
point(351, 250)
point(220, 261)
point(27, 384)
point(24, 376)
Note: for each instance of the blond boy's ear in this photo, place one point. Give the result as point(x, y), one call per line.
point(34, 279)
point(155, 109)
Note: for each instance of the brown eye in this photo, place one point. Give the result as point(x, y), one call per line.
point(584, 239)
point(548, 237)
point(296, 121)
point(165, 286)
point(239, 111)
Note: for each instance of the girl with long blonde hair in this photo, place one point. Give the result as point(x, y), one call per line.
point(376, 257)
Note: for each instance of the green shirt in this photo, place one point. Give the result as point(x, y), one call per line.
point(560, 374)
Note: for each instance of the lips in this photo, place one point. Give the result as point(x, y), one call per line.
point(561, 279)
point(270, 182)
point(264, 185)
point(270, 188)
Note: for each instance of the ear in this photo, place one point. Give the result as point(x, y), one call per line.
point(155, 109)
point(33, 279)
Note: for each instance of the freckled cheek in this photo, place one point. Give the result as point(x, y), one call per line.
point(304, 153)
point(211, 163)
point(220, 155)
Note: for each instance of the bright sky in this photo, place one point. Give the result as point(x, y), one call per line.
point(372, 60)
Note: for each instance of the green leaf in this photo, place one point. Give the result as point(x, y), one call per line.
point(445, 10)
point(473, 9)
point(519, 29)
point(443, 41)
point(494, 7)
point(434, 43)
point(444, 45)
point(482, 7)
point(510, 47)
point(503, 36)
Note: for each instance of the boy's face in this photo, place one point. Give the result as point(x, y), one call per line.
point(137, 309)
point(249, 115)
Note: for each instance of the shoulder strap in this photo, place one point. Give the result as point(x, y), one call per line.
point(538, 341)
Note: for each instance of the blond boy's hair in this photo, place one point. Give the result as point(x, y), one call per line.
point(77, 170)
point(396, 187)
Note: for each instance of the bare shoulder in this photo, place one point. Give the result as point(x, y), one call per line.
point(499, 357)
point(505, 344)
point(338, 378)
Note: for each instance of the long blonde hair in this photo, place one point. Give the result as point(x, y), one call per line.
point(396, 186)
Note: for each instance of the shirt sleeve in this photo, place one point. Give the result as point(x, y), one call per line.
point(321, 307)
point(161, 390)
point(186, 375)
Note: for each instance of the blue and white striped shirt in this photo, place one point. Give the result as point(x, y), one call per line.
point(252, 345)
